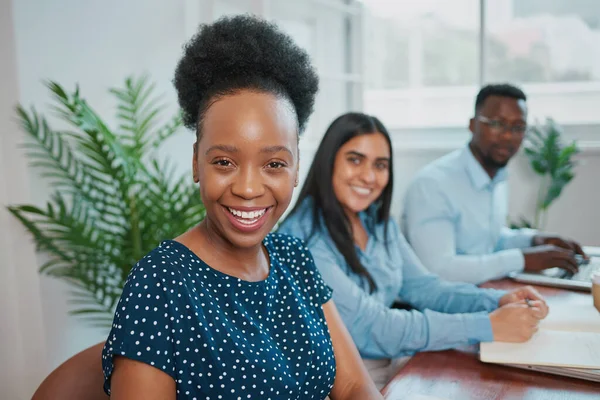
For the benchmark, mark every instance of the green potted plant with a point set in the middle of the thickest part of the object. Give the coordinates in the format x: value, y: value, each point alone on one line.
x: 113, y: 199
x: 553, y: 161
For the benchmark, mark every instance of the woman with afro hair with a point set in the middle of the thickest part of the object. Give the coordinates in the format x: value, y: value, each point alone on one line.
x: 229, y: 310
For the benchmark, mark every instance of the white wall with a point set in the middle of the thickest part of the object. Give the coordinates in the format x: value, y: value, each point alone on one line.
x: 95, y: 44
x: 21, y: 329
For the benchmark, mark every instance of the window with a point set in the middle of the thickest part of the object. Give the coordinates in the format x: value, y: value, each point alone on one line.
x: 551, y: 48
x: 425, y: 60
x: 324, y: 29
x: 422, y: 68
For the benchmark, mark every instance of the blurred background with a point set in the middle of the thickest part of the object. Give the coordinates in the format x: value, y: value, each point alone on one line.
x: 417, y: 65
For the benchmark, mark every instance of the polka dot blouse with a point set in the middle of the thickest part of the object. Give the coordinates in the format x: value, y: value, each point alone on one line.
x: 220, y: 337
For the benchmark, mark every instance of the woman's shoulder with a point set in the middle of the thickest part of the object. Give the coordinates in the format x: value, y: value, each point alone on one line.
x: 298, y: 263
x: 285, y: 245
x: 165, y: 264
x: 291, y: 251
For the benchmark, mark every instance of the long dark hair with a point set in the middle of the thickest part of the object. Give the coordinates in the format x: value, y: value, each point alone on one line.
x: 319, y: 187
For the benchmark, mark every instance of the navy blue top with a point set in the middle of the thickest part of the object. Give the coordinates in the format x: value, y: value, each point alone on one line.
x: 220, y: 337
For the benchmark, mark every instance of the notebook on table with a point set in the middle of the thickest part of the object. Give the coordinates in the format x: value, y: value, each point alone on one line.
x: 567, y: 343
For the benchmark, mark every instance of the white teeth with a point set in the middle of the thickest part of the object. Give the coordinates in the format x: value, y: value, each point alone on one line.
x: 361, y: 190
x: 252, y: 216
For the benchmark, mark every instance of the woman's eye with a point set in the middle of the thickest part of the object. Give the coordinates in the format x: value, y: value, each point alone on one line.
x: 222, y: 163
x: 381, y: 166
x: 354, y: 160
x: 275, y: 165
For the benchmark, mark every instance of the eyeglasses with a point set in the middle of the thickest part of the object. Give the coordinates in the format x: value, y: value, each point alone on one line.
x: 498, y: 127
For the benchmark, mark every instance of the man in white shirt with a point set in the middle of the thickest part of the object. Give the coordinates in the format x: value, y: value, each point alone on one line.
x: 455, y: 209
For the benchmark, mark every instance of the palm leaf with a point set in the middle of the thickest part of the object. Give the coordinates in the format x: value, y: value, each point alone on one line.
x: 167, y: 130
x: 137, y: 112
x: 113, y: 201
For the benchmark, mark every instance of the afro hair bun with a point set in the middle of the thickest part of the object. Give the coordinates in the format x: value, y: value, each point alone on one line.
x: 243, y: 52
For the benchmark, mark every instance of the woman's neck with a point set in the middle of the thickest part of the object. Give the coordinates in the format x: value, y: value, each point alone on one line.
x: 249, y: 263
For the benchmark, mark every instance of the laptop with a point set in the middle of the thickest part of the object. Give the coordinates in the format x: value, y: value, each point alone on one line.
x: 560, y: 278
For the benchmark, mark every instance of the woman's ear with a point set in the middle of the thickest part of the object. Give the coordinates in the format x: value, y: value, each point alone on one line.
x: 195, y: 163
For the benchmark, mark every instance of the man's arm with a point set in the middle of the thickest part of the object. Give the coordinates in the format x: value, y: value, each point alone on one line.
x: 515, y: 238
x: 425, y: 290
x: 430, y: 229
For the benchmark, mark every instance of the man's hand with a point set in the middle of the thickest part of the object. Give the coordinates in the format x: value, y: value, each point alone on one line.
x: 544, y: 238
x: 516, y: 322
x: 546, y: 256
x: 523, y: 294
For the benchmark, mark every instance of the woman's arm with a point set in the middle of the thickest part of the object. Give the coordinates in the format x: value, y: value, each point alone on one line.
x: 137, y: 380
x: 352, y: 380
x: 382, y: 332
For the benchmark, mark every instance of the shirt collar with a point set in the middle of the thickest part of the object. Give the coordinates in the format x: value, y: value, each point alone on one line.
x: 367, y: 217
x: 479, y: 177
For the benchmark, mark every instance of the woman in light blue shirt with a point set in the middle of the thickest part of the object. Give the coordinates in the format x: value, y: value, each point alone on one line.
x: 343, y: 214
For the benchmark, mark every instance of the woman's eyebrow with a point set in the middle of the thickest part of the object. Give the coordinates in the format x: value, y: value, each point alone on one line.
x: 223, y: 147
x: 275, y: 149
x: 355, y: 153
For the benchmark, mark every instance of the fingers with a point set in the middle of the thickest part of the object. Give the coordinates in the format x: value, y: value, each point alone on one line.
x: 568, y: 265
x: 534, y: 310
x: 564, y: 244
x: 516, y: 322
x: 532, y: 293
x: 540, y: 302
x: 578, y: 250
x: 537, y: 310
x: 564, y: 259
x: 545, y: 309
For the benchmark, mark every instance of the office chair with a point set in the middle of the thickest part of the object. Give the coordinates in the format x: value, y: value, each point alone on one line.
x: 78, y: 378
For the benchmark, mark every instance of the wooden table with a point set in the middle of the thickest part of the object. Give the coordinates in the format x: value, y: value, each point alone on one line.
x: 459, y: 375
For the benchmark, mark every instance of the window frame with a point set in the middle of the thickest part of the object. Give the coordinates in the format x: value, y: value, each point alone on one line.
x: 450, y: 136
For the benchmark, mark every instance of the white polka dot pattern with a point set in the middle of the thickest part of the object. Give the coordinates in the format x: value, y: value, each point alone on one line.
x: 220, y: 337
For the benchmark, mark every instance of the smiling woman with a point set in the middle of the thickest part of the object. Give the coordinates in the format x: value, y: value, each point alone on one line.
x: 343, y: 214
x: 339, y: 187
x: 247, y: 164
x: 228, y: 310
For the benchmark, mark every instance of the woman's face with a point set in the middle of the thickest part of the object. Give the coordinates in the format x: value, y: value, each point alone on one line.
x: 246, y: 162
x: 361, y: 171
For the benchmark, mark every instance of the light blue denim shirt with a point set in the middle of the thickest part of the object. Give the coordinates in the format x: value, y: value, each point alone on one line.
x: 455, y: 219
x: 446, y: 315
